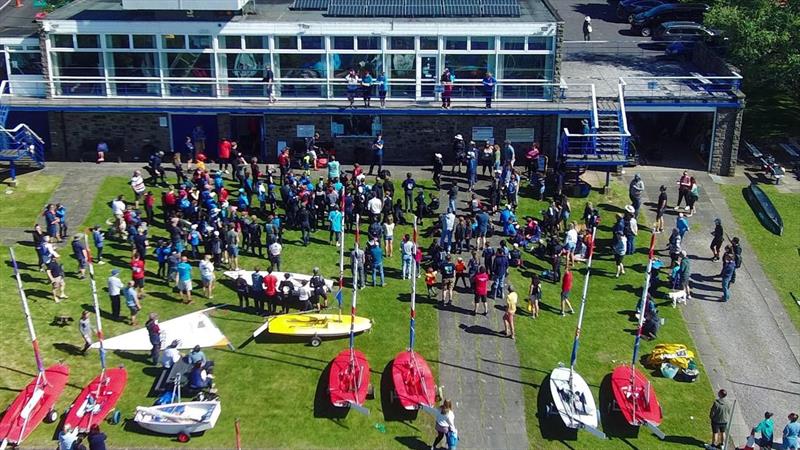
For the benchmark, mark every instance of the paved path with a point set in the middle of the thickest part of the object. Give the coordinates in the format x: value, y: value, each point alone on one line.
x: 748, y: 346
x: 479, y: 370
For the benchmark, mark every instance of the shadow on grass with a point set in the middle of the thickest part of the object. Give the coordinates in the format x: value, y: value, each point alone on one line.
x: 551, y: 425
x: 277, y: 360
x: 392, y: 410
x: 65, y: 347
x: 614, y: 424
x: 322, y: 400
x: 412, y: 442
x: 135, y: 357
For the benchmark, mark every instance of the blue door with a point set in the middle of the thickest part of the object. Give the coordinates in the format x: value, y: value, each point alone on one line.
x: 184, y: 124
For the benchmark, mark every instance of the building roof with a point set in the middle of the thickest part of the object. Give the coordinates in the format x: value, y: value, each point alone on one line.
x: 269, y: 11
x: 18, y: 22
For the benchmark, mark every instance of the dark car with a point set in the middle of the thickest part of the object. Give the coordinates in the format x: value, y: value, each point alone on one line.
x: 644, y: 23
x: 627, y: 9
x: 683, y: 31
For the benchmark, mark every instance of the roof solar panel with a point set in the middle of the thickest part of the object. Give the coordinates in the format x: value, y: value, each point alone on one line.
x: 346, y: 8
x: 386, y: 8
x: 462, y: 8
x: 424, y: 8
x: 310, y: 5
x: 501, y: 8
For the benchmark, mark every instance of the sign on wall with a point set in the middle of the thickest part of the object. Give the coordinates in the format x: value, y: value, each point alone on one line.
x: 482, y: 134
x: 520, y: 135
x: 305, y: 131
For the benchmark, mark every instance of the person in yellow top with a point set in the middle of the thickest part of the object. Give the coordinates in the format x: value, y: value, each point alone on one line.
x: 511, y: 310
x: 430, y: 282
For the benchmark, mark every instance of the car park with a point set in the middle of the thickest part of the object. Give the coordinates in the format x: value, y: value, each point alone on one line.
x: 626, y: 10
x: 645, y: 23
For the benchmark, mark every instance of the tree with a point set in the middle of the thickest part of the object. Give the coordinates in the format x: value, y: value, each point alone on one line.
x: 764, y: 37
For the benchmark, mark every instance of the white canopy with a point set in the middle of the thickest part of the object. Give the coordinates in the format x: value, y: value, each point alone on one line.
x: 189, y: 330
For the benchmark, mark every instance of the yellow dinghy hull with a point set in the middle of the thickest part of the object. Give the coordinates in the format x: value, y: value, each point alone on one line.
x: 322, y: 325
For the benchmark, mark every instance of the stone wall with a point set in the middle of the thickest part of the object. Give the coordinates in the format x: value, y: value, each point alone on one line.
x: 73, y: 136
x: 409, y: 139
x: 725, y: 148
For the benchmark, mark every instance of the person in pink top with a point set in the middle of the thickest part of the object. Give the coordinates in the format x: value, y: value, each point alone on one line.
x: 224, y: 154
x: 480, y: 285
x: 271, y: 291
x: 566, y: 286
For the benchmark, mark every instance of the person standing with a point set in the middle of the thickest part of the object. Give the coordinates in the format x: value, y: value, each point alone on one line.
x: 480, y: 284
x: 81, y: 255
x: 357, y: 262
x: 353, y: 83
x: 535, y: 296
x: 85, y: 328
x: 377, y: 154
x: 635, y: 190
x: 447, y: 88
x: 682, y: 224
x: 55, y: 273
x: 587, y: 28
x: 38, y: 244
x: 207, y: 276
x: 269, y: 82
x: 408, y: 190
x: 686, y: 273
x: 335, y: 218
x: 674, y: 247
x: 488, y: 88
x: 274, y: 251
x: 791, y: 433
x: 684, y: 188
x: 257, y: 290
x: 154, y: 335
x: 138, y: 186
x: 388, y: 234
x: 499, y: 271
x: 271, y: 292
x: 137, y: 273
x: 566, y: 287
x: 720, y: 415
x: 448, y: 280
x: 692, y: 196
x: 445, y: 424
x: 383, y: 87
x: 115, y: 287
x: 728, y: 269
x: 511, y: 311
x: 716, y: 240
x: 661, y: 207
x: 407, y: 257
x: 377, y: 262
x: 132, y: 302
x: 285, y: 292
x: 737, y: 256
x: 224, y: 154
x: 185, y: 280
x: 333, y: 168
x: 619, y: 247
x: 630, y: 229
x: 242, y: 291
x: 448, y: 226
x: 366, y: 88
x: 99, y: 239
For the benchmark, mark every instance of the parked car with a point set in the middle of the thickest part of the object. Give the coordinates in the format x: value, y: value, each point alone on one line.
x: 644, y: 23
x: 683, y: 31
x: 627, y: 9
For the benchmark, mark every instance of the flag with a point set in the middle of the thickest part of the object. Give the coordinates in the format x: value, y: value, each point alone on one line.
x: 339, y: 297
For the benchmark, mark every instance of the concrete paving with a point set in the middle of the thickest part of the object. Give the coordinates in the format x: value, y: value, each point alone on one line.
x: 748, y: 346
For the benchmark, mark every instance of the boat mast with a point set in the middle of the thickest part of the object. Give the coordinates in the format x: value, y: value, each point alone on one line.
x: 340, y: 294
x: 353, y: 302
x: 40, y: 378
x: 638, y: 339
x: 412, y: 328
x: 98, y: 323
x: 575, y: 343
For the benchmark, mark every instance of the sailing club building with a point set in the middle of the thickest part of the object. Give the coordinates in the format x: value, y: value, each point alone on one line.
x: 145, y: 74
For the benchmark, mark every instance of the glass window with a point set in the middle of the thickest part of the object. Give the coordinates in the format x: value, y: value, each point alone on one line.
x: 25, y: 63
x: 343, y: 42
x: 199, y: 42
x: 118, y: 41
x: 403, y: 66
x: 428, y: 43
x: 539, y: 43
x: 312, y: 43
x: 470, y: 66
x: 401, y: 43
x: 62, y: 40
x: 189, y: 65
x: 135, y: 65
x: 341, y: 63
x: 243, y: 65
x: 88, y: 40
x: 523, y: 67
x: 512, y: 43
x: 482, y: 43
x: 144, y: 41
x: 256, y: 42
x: 79, y: 64
x: 286, y: 42
x: 174, y: 41
x: 304, y: 66
x: 355, y: 125
x: 230, y: 42
x: 455, y: 43
x: 369, y: 42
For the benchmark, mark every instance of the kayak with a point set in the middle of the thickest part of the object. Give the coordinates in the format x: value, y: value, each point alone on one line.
x: 414, y: 385
x: 764, y: 209
x: 638, y: 401
x: 348, y: 383
x: 33, y: 404
x: 93, y: 405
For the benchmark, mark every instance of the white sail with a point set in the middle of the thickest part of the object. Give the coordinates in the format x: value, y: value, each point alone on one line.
x: 189, y: 330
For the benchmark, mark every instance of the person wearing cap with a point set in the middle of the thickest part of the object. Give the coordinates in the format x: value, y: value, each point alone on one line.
x: 459, y: 153
x: 447, y: 87
x: 587, y: 28
x: 511, y: 311
x: 171, y: 355
x: 115, y: 286
x: 438, y: 168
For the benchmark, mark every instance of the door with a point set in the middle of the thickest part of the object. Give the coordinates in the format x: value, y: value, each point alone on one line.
x: 428, y: 76
x: 182, y: 125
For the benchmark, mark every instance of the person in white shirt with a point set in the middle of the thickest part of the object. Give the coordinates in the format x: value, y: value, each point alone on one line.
x: 115, y: 286
x: 118, y: 209
x: 303, y: 295
x: 445, y: 422
x: 374, y: 206
x: 207, y: 276
x: 171, y: 355
x: 49, y: 250
x: 388, y: 236
x: 137, y: 184
x: 275, y: 250
x: 570, y: 241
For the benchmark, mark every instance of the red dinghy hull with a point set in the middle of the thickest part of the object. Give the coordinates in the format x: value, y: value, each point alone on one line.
x: 637, y: 406
x: 348, y: 383
x: 413, y: 380
x: 111, y: 387
x: 13, y: 426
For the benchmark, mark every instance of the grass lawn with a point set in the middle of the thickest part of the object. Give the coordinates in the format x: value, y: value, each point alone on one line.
x: 606, y: 342
x: 779, y: 253
x: 23, y: 205
x: 275, y: 388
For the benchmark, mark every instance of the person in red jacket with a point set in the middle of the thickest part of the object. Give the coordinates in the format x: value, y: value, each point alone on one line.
x: 566, y: 286
x: 284, y: 163
x: 481, y: 286
x: 137, y: 274
x: 271, y: 291
x: 149, y: 204
x: 224, y: 154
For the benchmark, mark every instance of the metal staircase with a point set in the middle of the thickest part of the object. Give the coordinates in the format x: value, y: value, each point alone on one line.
x: 20, y: 146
